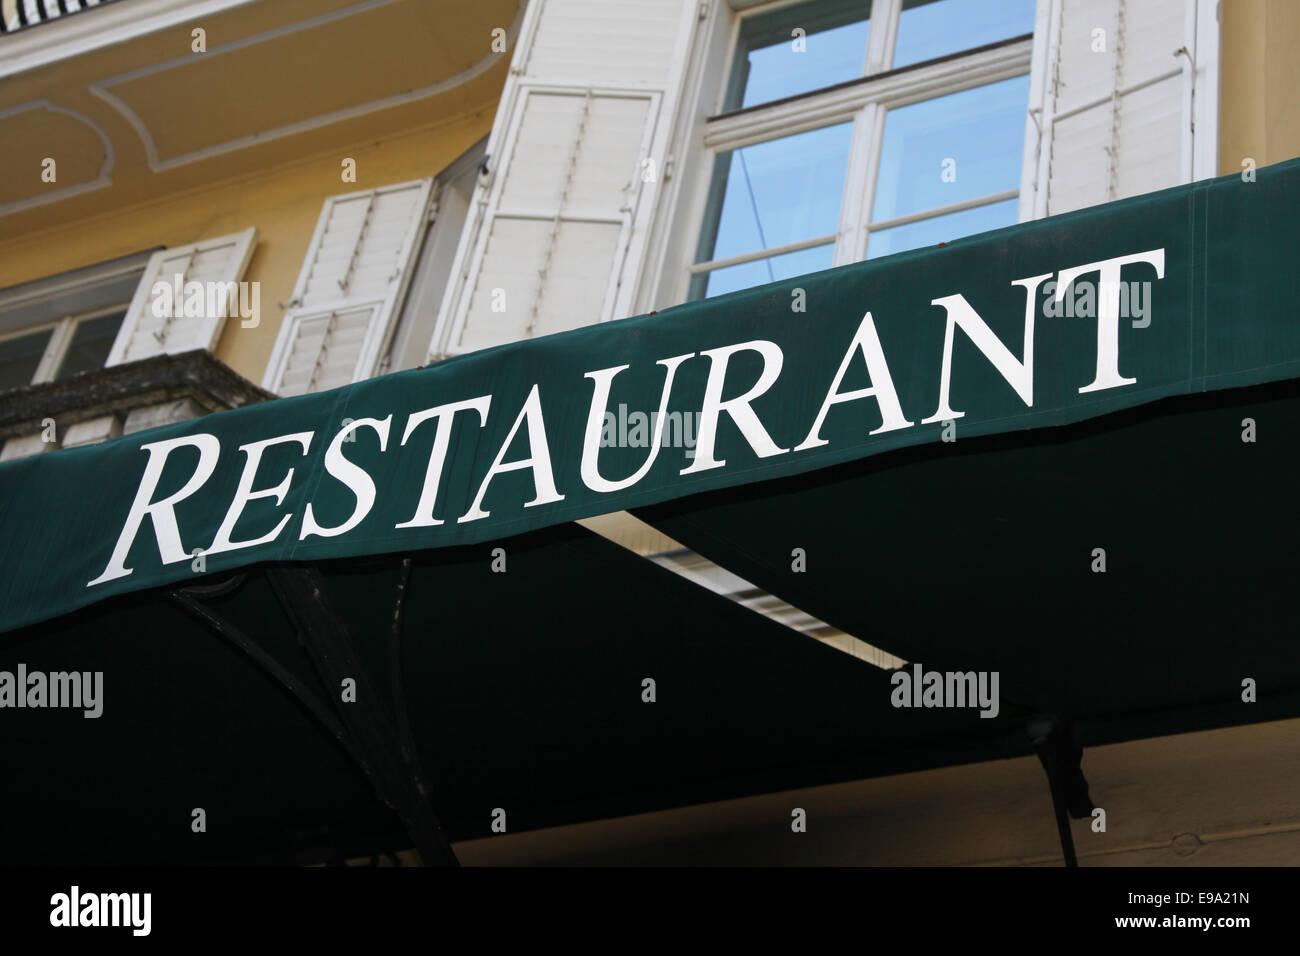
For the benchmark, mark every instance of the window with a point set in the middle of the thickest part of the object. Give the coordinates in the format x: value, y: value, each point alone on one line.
x: 158, y: 323
x: 372, y: 281
x: 60, y: 350
x: 356, y: 271
x: 55, y: 328
x: 761, y: 72
x: 453, y: 195
x: 924, y: 194
x: 851, y: 129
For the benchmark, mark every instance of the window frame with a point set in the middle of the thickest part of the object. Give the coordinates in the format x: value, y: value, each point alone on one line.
x: 56, y: 349
x: 416, y: 319
x: 865, y: 102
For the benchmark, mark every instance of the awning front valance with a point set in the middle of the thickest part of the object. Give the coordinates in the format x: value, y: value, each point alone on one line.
x: 1046, y: 323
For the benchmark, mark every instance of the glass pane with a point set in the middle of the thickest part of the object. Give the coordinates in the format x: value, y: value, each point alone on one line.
x: 749, y: 274
x: 928, y: 29
x: 956, y: 147
x: 19, y: 358
x: 775, y: 193
x: 91, y: 341
x: 931, y: 232
x: 773, y: 61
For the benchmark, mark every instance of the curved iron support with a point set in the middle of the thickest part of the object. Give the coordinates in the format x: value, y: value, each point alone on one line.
x: 323, y: 634
x: 382, y: 747
x: 405, y: 737
x: 268, y: 663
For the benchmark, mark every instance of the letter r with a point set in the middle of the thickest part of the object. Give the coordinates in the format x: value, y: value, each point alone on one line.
x: 161, y: 512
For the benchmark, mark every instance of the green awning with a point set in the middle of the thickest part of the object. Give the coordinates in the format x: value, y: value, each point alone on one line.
x: 524, y: 688
x: 780, y: 380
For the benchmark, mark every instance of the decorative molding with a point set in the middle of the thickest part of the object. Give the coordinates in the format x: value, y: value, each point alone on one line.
x: 64, y: 192
x: 100, y: 88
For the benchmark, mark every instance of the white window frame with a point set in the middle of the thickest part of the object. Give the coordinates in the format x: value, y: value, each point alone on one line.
x: 865, y: 104
x: 415, y: 322
x: 56, y: 349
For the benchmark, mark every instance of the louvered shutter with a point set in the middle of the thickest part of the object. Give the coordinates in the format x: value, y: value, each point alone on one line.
x: 352, y: 280
x: 576, y: 159
x: 216, y: 264
x: 1119, y: 122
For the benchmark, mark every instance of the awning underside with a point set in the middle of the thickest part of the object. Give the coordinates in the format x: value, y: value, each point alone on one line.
x: 524, y: 691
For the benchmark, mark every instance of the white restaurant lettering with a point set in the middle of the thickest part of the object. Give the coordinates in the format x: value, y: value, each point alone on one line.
x: 1018, y: 373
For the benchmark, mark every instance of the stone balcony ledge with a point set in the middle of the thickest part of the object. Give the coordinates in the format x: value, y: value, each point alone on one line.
x: 105, y: 403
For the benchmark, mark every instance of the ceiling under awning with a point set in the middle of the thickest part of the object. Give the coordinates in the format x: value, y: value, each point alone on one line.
x: 524, y: 690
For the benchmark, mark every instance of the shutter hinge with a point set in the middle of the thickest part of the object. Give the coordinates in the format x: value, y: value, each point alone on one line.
x: 704, y: 9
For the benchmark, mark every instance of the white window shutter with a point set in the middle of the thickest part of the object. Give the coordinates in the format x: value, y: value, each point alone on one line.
x: 151, y: 328
x: 1119, y: 121
x: 576, y: 159
x: 356, y: 269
